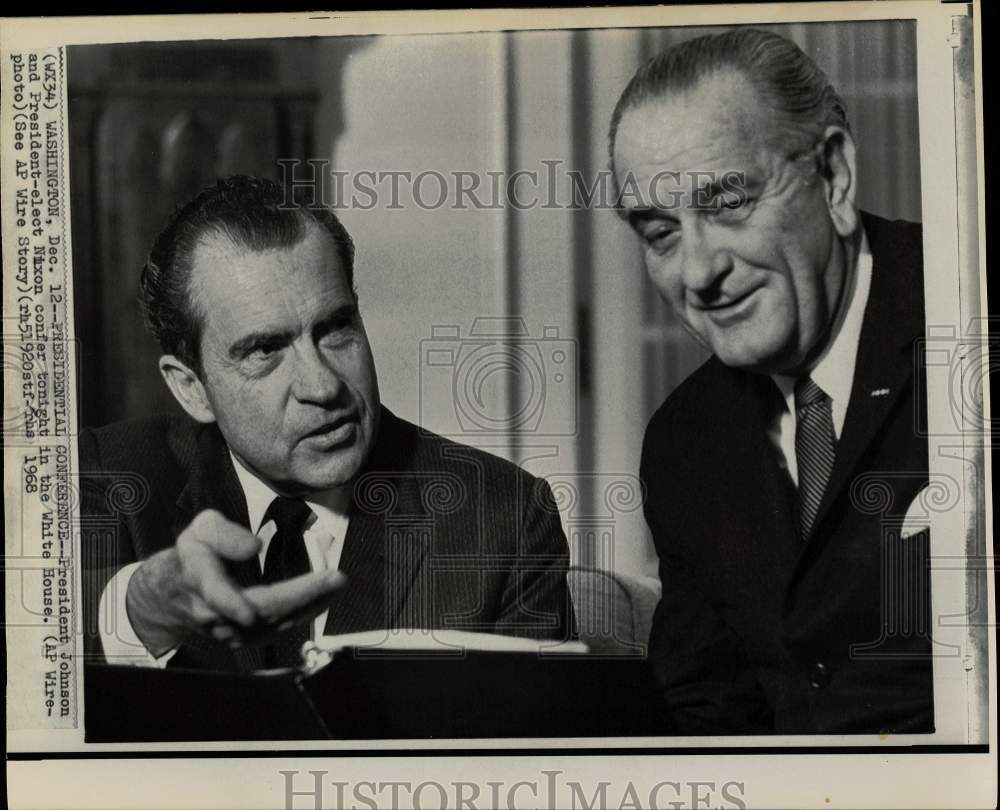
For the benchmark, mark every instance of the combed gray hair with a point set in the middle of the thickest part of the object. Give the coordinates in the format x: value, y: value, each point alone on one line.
x: 789, y: 81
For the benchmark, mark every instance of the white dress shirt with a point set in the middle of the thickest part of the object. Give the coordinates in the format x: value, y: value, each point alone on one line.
x: 834, y: 372
x: 324, y: 535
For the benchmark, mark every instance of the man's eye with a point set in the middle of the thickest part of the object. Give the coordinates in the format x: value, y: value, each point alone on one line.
x: 263, y: 352
x: 734, y: 206
x: 661, y: 239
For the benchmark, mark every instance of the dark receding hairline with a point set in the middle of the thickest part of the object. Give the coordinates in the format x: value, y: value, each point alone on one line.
x: 226, y: 239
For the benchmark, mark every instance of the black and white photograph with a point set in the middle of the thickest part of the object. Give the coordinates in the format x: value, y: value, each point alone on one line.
x: 454, y: 386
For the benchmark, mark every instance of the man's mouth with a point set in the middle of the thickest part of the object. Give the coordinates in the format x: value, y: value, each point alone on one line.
x: 731, y: 308
x: 332, y: 433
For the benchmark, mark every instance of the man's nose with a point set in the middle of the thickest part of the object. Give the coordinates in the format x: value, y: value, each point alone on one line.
x: 316, y: 378
x: 706, y: 260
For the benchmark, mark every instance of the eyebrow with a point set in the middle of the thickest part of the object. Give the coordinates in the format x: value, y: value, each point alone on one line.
x: 345, y: 313
x: 731, y: 182
x: 242, y: 347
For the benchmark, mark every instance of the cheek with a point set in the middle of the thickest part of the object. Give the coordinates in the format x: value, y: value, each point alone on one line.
x: 804, y: 244
x: 665, y: 278
x: 812, y: 307
x: 762, y: 246
x: 806, y: 263
x: 255, y: 406
x: 362, y: 373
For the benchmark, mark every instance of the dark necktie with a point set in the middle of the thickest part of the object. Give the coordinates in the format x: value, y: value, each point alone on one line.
x: 287, y: 557
x: 815, y: 449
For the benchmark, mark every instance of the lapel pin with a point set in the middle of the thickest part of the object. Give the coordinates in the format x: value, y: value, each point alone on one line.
x: 880, y: 392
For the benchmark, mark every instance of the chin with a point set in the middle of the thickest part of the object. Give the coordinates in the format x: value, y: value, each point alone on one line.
x: 751, y: 358
x: 754, y: 350
x: 328, y: 473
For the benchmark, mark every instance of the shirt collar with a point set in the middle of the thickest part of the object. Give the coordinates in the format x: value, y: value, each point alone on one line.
x: 834, y: 372
x: 328, y: 503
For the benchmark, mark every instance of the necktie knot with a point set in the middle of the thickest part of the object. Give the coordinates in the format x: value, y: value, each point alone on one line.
x: 289, y: 514
x: 807, y: 393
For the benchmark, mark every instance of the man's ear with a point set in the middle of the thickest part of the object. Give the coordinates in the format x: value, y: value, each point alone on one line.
x: 187, y: 388
x: 840, y: 174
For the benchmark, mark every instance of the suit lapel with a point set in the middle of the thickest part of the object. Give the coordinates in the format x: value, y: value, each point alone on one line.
x: 769, y: 488
x: 885, y: 359
x: 748, y: 494
x: 386, y: 539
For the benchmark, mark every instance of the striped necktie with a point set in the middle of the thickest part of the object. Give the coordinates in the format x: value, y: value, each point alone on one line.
x: 815, y: 449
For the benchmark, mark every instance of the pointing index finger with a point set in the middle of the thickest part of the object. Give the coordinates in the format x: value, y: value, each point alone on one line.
x: 304, y: 594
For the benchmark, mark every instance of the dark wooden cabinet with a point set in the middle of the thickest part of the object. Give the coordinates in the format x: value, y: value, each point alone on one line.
x: 150, y: 125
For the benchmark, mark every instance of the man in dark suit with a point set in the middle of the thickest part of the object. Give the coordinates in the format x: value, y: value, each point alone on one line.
x: 290, y: 501
x: 795, y: 595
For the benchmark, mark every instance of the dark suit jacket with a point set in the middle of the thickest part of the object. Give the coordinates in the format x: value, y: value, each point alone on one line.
x: 756, y: 633
x: 441, y: 535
